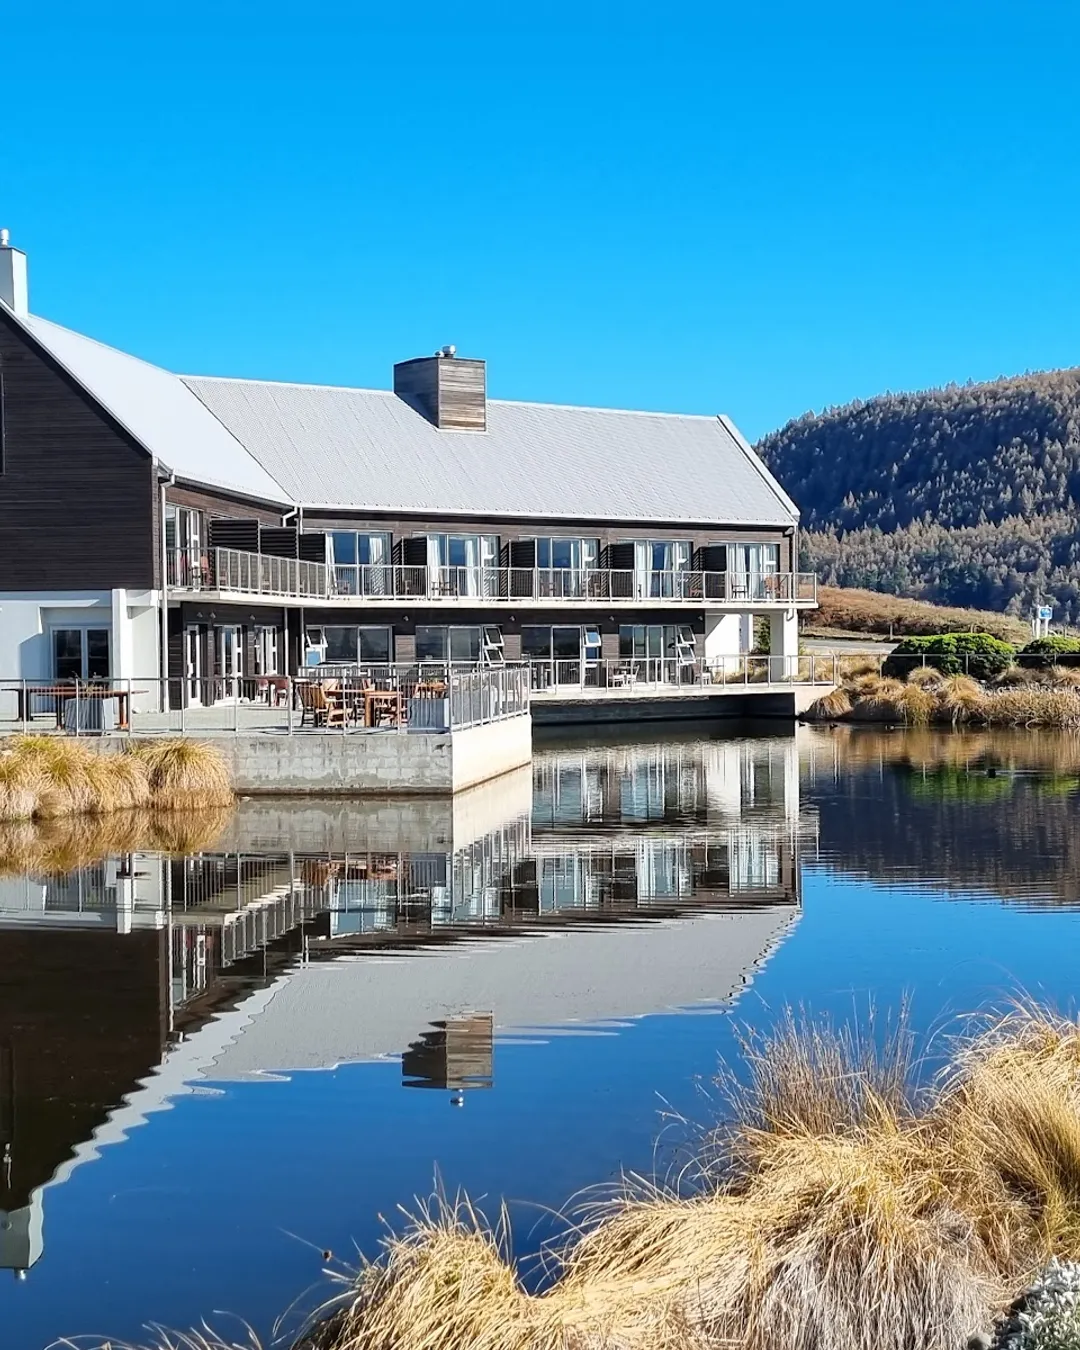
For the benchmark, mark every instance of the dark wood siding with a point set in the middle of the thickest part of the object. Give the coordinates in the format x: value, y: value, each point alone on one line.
x: 517, y: 530
x: 451, y: 392
x: 220, y: 504
x: 76, y: 492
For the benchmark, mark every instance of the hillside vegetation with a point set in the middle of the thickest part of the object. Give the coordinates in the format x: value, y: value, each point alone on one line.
x: 851, y: 610
x: 966, y: 495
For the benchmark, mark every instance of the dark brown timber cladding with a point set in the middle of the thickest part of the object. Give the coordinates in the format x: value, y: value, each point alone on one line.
x: 76, y: 493
x: 220, y: 504
x: 509, y: 531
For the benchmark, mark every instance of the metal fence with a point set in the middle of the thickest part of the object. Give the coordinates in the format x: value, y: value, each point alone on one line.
x: 671, y: 673
x: 355, y: 700
x: 235, y: 571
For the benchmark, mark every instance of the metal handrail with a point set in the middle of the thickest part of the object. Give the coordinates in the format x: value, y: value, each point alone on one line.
x: 237, y: 572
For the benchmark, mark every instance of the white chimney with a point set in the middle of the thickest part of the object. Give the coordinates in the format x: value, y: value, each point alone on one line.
x: 13, y: 290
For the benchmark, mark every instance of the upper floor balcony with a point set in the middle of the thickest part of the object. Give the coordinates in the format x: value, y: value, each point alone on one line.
x: 225, y: 573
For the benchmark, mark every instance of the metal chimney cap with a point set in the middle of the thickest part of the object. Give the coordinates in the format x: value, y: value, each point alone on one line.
x: 5, y: 236
x: 448, y: 350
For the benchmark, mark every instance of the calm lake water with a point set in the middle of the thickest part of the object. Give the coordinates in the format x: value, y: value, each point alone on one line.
x: 213, y: 1067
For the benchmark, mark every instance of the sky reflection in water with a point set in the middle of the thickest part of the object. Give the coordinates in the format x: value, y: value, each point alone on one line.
x: 516, y: 991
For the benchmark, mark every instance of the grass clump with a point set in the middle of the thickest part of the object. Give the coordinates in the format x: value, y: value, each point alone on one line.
x: 52, y: 777
x: 845, y: 1204
x: 185, y: 774
x: 831, y: 706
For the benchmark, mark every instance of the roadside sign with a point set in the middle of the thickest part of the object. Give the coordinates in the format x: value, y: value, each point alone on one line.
x: 1046, y: 612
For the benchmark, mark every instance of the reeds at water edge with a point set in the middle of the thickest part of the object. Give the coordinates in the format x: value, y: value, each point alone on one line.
x: 927, y: 697
x: 50, y: 777
x: 846, y: 1204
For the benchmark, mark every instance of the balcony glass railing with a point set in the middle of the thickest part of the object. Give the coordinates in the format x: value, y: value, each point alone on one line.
x: 237, y: 572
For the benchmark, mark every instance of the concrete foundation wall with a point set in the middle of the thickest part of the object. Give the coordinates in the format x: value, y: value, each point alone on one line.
x: 426, y: 763
x: 414, y: 824
x: 479, y: 753
x: 765, y: 702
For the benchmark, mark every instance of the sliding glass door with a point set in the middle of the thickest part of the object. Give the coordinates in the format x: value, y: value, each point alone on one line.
x: 661, y: 568
x: 750, y: 567
x: 463, y: 564
x: 563, y: 567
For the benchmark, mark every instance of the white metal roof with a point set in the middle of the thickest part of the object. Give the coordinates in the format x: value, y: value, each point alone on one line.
x: 367, y: 449
x: 364, y: 449
x: 373, y: 1006
x: 160, y: 412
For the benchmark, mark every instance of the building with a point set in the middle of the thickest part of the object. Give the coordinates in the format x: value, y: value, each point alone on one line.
x: 208, y: 532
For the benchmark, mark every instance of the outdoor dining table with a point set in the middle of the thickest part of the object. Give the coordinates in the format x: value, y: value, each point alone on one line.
x: 64, y: 693
x: 379, y: 700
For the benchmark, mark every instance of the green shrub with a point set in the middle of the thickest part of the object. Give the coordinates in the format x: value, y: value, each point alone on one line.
x: 1051, y: 651
x: 975, y: 654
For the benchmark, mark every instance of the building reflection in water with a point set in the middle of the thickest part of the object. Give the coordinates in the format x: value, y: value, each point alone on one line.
x: 455, y: 1055
x: 112, y: 978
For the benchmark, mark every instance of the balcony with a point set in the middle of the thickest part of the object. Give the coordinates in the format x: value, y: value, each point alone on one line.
x: 227, y: 572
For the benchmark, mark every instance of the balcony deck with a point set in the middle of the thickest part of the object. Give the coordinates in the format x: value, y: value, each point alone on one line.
x: 229, y: 574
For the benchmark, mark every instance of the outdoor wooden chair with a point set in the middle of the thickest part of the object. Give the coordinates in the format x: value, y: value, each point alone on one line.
x: 324, y: 703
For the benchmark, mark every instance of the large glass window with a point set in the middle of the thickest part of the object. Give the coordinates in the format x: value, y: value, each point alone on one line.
x: 81, y: 653
x: 465, y: 644
x: 186, y: 562
x: 361, y: 562
x: 375, y: 645
x: 463, y: 564
x: 432, y: 644
x: 661, y: 567
x: 536, y: 643
x: 562, y: 565
x: 349, y: 645
x: 750, y: 569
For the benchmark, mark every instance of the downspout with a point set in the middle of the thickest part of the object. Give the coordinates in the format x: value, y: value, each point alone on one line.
x: 298, y: 512
x: 165, y: 483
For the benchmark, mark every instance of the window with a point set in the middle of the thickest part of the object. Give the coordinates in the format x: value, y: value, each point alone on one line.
x: 374, y: 645
x: 465, y: 644
x: 493, y: 646
x: 658, y: 567
x: 562, y: 564
x: 341, y: 646
x: 361, y: 562
x: 463, y: 564
x: 184, y: 546
x: 431, y: 643
x: 266, y: 651
x: 81, y: 653
x: 536, y: 643
x: 347, y: 645
x: 748, y: 566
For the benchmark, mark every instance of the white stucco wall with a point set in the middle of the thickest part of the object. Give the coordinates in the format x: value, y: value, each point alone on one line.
x: 728, y: 635
x: 784, y: 633
x: 27, y: 620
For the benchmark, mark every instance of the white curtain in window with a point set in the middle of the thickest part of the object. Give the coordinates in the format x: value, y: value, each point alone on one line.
x: 642, y: 568
x: 377, y: 576
x: 436, y: 552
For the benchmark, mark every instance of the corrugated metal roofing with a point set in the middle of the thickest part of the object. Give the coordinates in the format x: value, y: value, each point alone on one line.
x: 364, y: 449
x: 367, y: 449
x: 161, y: 413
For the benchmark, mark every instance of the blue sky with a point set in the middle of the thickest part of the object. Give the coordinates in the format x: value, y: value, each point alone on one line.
x: 752, y: 207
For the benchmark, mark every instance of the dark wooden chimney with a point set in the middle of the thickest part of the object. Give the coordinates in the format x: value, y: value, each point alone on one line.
x: 449, y: 390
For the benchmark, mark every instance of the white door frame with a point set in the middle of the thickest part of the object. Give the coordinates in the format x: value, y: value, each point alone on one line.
x: 193, y: 672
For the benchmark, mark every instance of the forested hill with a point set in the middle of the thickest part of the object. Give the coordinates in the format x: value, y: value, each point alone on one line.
x: 968, y: 495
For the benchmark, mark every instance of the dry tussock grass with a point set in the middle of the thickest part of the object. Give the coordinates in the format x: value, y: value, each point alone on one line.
x: 185, y: 773
x: 51, y: 777
x: 858, y: 611
x: 831, y: 706
x: 926, y: 699
x: 841, y: 1207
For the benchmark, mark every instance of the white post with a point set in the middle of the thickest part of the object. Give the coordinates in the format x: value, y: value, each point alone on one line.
x: 783, y: 638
